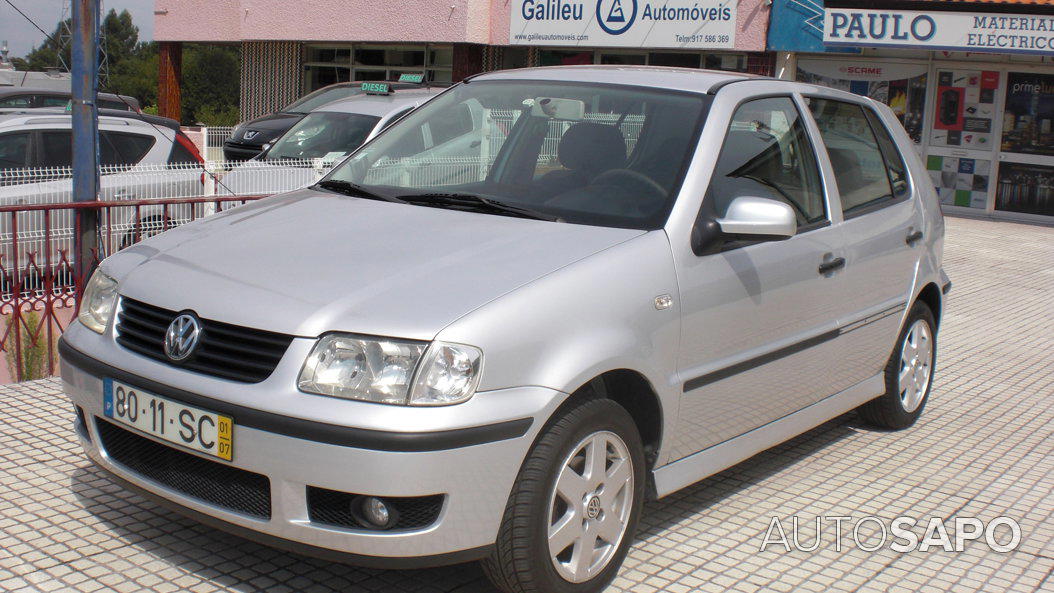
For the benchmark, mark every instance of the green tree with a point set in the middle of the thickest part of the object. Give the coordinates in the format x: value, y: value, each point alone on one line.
x: 54, y: 52
x: 136, y: 75
x: 120, y: 38
x: 211, y: 84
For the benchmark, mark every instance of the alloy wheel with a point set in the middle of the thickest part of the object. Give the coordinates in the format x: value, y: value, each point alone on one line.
x: 916, y: 361
x: 590, y: 506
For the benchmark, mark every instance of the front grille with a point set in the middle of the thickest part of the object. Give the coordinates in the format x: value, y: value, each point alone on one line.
x: 224, y: 350
x: 331, y: 507
x: 209, y: 481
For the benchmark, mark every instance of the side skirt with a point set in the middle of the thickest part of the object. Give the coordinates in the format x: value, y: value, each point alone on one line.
x: 689, y: 470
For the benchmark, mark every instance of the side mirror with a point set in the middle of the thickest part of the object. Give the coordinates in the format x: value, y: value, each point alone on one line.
x: 747, y: 219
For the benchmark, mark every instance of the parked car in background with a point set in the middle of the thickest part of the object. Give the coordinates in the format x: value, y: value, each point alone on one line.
x: 33, y: 98
x: 400, y: 368
x: 248, y: 138
x: 323, y: 137
x: 141, y: 156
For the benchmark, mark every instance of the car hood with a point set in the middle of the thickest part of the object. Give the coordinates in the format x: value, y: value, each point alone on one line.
x: 308, y: 262
x: 269, y: 127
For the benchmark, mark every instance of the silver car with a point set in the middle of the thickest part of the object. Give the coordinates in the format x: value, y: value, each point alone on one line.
x: 322, y: 138
x: 502, y: 362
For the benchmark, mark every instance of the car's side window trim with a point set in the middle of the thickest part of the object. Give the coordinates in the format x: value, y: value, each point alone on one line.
x: 870, y: 116
x: 803, y: 229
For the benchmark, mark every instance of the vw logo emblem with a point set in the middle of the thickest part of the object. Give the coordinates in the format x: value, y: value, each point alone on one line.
x: 593, y: 508
x: 182, y: 336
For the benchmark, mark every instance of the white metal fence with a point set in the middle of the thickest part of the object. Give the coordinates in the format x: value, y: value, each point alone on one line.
x: 214, y: 139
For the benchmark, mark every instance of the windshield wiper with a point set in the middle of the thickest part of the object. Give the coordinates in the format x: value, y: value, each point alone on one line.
x: 476, y: 203
x: 353, y: 189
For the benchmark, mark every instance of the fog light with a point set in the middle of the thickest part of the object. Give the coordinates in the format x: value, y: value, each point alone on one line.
x: 375, y: 513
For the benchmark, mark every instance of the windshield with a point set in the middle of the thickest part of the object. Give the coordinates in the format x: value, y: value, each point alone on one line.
x: 320, y: 97
x: 583, y: 153
x: 323, y: 135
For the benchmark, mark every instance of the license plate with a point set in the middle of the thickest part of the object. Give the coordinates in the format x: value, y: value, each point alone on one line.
x: 169, y: 420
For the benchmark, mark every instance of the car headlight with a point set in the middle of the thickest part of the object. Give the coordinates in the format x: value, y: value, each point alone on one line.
x: 384, y: 370
x: 98, y: 302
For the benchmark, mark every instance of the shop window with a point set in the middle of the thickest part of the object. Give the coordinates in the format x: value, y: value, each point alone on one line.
x: 767, y: 154
x: 965, y: 109
x: 324, y: 65
x: 727, y: 62
x: 624, y: 59
x: 1028, y: 120
x: 859, y: 166
x: 1025, y: 188
x: 960, y: 181
x: 901, y: 86
x: 552, y: 57
x: 680, y: 60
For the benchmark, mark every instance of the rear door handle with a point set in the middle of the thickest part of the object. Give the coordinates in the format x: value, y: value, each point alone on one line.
x: 913, y: 238
x: 832, y: 265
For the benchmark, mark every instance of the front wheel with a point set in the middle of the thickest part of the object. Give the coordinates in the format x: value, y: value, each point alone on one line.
x: 574, y: 508
x: 908, y: 374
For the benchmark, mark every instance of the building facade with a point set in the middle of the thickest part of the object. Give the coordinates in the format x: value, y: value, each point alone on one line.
x: 972, y: 81
x: 291, y: 48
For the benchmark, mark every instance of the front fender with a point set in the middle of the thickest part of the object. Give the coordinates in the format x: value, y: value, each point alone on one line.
x: 596, y: 315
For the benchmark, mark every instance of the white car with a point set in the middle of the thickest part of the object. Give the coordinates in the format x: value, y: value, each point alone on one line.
x: 141, y: 156
x: 322, y: 138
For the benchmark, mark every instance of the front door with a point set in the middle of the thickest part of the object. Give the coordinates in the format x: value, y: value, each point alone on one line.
x: 758, y: 330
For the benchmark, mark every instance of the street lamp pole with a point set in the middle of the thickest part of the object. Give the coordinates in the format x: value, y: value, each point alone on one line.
x: 85, y: 116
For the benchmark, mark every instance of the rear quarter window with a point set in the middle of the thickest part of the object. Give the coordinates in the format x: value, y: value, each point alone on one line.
x: 124, y: 148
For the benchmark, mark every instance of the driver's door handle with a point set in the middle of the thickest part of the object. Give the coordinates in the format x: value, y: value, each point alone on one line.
x: 832, y: 265
x: 913, y: 238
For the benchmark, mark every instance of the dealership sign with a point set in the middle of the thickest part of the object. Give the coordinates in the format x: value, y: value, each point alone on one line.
x: 957, y: 31
x: 624, y: 23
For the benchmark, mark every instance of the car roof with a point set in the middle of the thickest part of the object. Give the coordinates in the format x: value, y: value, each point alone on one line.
x: 13, y: 118
x: 380, y: 105
x: 29, y: 90
x: 681, y: 79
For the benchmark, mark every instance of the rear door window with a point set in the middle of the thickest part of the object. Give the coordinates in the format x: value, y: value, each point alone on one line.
x: 56, y: 149
x: 864, y: 176
x: 14, y: 150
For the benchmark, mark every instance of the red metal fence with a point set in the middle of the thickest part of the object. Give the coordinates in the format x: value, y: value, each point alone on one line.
x: 38, y: 279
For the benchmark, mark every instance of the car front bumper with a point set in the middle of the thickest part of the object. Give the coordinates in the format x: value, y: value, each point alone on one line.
x: 475, y: 479
x: 240, y: 152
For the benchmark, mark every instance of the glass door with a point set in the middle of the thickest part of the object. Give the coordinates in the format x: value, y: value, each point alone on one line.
x: 963, y: 145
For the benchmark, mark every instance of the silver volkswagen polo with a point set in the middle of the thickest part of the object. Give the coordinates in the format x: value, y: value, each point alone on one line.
x: 493, y: 341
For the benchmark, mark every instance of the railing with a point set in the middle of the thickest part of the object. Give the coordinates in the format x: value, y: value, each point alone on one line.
x: 38, y: 279
x: 214, y: 139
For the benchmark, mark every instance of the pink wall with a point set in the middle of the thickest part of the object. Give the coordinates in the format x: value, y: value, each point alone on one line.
x: 753, y: 25
x: 322, y: 20
x: 473, y: 21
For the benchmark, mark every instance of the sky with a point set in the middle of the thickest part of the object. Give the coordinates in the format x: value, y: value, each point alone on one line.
x: 22, y: 37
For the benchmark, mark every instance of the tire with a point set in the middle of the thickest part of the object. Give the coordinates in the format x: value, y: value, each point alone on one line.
x: 899, y: 407
x: 521, y: 561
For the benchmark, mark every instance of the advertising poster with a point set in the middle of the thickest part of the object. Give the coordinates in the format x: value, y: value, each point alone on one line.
x: 901, y: 86
x: 1029, y: 114
x: 960, y: 181
x: 1025, y: 188
x: 964, y: 109
x: 708, y: 24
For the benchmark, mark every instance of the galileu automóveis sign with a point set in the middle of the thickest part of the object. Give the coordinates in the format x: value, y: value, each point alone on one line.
x: 624, y: 23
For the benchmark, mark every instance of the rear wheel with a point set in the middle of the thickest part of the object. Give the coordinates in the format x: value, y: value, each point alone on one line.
x: 574, y: 508
x: 909, y: 374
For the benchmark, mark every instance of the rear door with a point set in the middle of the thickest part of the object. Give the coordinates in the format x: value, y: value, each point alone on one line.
x: 882, y: 225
